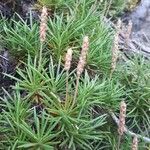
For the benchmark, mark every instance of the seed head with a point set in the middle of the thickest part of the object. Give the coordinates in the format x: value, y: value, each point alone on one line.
x: 43, y: 24
x: 135, y: 143
x: 68, y: 59
x: 82, y: 59
x: 122, y: 117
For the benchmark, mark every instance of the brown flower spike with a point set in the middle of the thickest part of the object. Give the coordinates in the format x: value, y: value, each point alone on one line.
x: 122, y: 117
x: 81, y: 63
x: 135, y: 143
x: 43, y: 24
x: 82, y: 59
x: 67, y: 66
x: 68, y: 59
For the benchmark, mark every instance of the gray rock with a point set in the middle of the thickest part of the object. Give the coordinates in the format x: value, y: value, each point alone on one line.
x: 5, y: 10
x: 141, y: 15
x: 140, y: 36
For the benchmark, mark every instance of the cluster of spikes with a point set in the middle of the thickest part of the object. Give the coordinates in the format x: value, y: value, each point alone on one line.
x: 68, y: 58
x: 81, y: 64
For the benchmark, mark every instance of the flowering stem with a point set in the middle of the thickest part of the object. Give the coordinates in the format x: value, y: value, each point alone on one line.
x: 119, y: 140
x: 67, y: 84
x: 40, y: 55
x: 76, y: 89
x: 111, y: 73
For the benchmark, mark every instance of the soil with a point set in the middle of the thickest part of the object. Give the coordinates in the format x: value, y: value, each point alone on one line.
x: 22, y: 7
x: 7, y: 63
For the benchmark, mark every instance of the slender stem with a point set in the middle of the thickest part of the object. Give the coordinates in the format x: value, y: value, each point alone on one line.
x: 76, y: 89
x: 119, y: 140
x: 40, y: 55
x: 111, y: 74
x: 67, y: 85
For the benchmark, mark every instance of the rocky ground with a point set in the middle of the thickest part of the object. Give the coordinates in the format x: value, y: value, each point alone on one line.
x: 8, y: 8
x: 22, y: 7
x: 140, y: 35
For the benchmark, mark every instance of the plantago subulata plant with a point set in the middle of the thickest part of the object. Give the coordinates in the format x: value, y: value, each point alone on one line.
x: 46, y: 108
